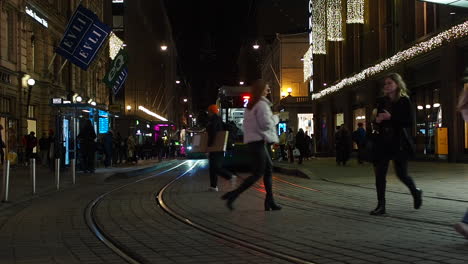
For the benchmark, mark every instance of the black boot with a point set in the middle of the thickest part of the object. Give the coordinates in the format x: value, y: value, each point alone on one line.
x: 417, y: 197
x: 379, y: 210
x: 271, y: 205
x: 230, y: 197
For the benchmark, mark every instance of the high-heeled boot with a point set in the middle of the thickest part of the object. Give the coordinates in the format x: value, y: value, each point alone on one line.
x: 417, y: 198
x: 271, y: 205
x: 380, y: 209
x: 230, y: 197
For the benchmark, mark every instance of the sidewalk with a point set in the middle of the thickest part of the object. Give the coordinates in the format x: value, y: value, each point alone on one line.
x: 21, y: 185
x: 437, y: 179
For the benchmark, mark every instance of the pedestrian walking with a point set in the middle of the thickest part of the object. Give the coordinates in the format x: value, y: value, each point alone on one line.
x: 393, y: 115
x: 282, y: 143
x: 107, y: 143
x: 131, y: 147
x: 290, y: 144
x: 343, y: 145
x: 31, y: 143
x: 359, y: 137
x: 87, y: 139
x: 301, y: 144
x: 2, y: 145
x: 215, y: 125
x: 44, y: 149
x: 259, y: 134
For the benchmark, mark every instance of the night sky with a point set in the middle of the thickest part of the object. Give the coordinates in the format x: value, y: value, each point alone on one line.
x: 210, y: 33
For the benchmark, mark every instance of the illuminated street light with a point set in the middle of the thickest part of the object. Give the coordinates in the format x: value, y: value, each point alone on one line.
x: 79, y: 99
x: 31, y: 81
x: 129, y: 107
x: 163, y: 47
x: 177, y: 81
x: 93, y: 103
x: 283, y: 94
x: 256, y: 46
x: 241, y: 83
x: 289, y: 91
x: 185, y: 100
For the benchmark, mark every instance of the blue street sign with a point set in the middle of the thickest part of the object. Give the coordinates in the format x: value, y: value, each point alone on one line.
x: 120, y: 80
x: 83, y: 38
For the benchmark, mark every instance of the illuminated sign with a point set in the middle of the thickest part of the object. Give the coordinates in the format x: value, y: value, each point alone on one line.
x: 246, y: 100
x: 57, y: 100
x: 117, y: 1
x: 460, y: 3
x: 36, y: 17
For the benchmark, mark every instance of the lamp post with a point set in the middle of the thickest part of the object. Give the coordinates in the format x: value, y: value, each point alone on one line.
x: 289, y: 91
x: 31, y: 83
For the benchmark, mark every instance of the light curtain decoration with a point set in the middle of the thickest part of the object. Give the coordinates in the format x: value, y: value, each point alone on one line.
x: 355, y: 12
x: 319, y: 27
x: 454, y: 33
x: 334, y: 21
x: 308, y: 64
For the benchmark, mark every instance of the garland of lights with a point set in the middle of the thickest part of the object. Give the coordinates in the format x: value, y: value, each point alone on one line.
x: 319, y: 27
x: 355, y: 12
x: 308, y: 64
x: 452, y: 34
x: 334, y: 20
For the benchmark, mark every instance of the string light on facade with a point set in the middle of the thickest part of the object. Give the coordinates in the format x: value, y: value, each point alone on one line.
x: 308, y: 64
x: 115, y: 44
x: 355, y: 12
x: 334, y: 21
x: 454, y: 33
x: 319, y: 26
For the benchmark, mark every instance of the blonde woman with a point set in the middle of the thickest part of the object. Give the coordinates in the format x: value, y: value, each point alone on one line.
x: 259, y: 134
x: 393, y: 116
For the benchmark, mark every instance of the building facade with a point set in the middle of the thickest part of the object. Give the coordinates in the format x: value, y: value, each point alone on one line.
x: 426, y: 43
x: 29, y: 32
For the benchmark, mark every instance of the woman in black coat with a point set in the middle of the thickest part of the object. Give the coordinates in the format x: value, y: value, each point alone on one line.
x: 301, y: 145
x: 393, y: 116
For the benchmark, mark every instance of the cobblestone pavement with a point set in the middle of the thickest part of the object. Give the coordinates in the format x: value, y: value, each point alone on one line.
x: 324, y: 219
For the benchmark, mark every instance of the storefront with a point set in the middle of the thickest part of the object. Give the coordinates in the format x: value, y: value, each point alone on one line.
x: 306, y: 122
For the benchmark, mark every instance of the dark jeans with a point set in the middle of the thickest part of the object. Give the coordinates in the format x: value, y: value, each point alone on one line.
x: 88, y: 161
x: 401, y: 169
x: 261, y: 166
x: 216, y: 168
x: 283, y: 154
x: 465, y: 218
x: 290, y: 154
x: 107, y: 158
x: 2, y: 154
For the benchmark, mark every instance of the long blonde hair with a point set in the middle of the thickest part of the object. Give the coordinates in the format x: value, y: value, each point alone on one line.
x: 401, y: 90
x: 256, y: 90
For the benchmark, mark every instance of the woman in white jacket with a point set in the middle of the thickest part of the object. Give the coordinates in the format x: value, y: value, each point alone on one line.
x: 259, y: 133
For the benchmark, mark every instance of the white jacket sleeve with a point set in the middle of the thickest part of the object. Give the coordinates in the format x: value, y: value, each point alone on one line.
x: 265, y: 118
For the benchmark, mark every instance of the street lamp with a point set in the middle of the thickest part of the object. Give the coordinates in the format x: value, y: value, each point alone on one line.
x: 289, y: 91
x: 177, y: 81
x: 283, y: 94
x: 241, y: 83
x: 256, y: 46
x: 185, y: 100
x: 163, y: 47
x: 79, y: 99
x: 129, y: 107
x: 93, y: 103
x: 31, y: 82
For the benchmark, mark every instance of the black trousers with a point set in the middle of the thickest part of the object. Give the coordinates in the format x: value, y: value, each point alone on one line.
x: 261, y: 166
x: 216, y: 168
x: 283, y: 153
x: 400, y: 162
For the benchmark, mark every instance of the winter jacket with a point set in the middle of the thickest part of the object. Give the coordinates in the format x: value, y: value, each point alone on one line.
x: 260, y: 123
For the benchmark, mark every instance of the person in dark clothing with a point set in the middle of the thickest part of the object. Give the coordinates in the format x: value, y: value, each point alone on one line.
x: 393, y: 114
x: 215, y: 124
x: 301, y: 144
x: 107, y: 143
x: 343, y: 145
x: 44, y: 145
x: 2, y: 145
x: 359, y: 136
x: 31, y: 143
x: 87, y: 139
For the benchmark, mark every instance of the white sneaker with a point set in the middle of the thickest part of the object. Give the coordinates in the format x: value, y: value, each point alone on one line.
x: 213, y: 189
x: 462, y: 229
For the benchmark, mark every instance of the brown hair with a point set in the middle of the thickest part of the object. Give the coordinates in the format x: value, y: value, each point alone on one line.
x: 401, y: 90
x: 256, y: 90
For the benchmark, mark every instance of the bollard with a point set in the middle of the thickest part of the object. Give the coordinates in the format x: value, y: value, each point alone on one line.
x: 73, y: 170
x: 6, y: 181
x: 33, y: 175
x: 57, y: 173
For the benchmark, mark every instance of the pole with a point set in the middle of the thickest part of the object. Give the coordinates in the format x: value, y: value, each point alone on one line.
x: 6, y: 181
x: 57, y: 173
x: 33, y: 175
x: 73, y: 170
x: 61, y: 67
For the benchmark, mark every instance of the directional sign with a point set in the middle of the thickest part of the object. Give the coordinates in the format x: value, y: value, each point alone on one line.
x: 83, y: 38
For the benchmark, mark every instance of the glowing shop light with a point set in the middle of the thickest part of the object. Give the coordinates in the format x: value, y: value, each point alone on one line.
x: 151, y: 113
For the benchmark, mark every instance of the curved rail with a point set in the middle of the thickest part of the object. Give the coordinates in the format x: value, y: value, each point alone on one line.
x: 128, y: 256
x: 160, y: 200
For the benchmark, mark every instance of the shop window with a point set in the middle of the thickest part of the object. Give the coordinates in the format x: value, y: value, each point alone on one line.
x: 339, y: 119
x: 306, y: 122
x: 359, y: 116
